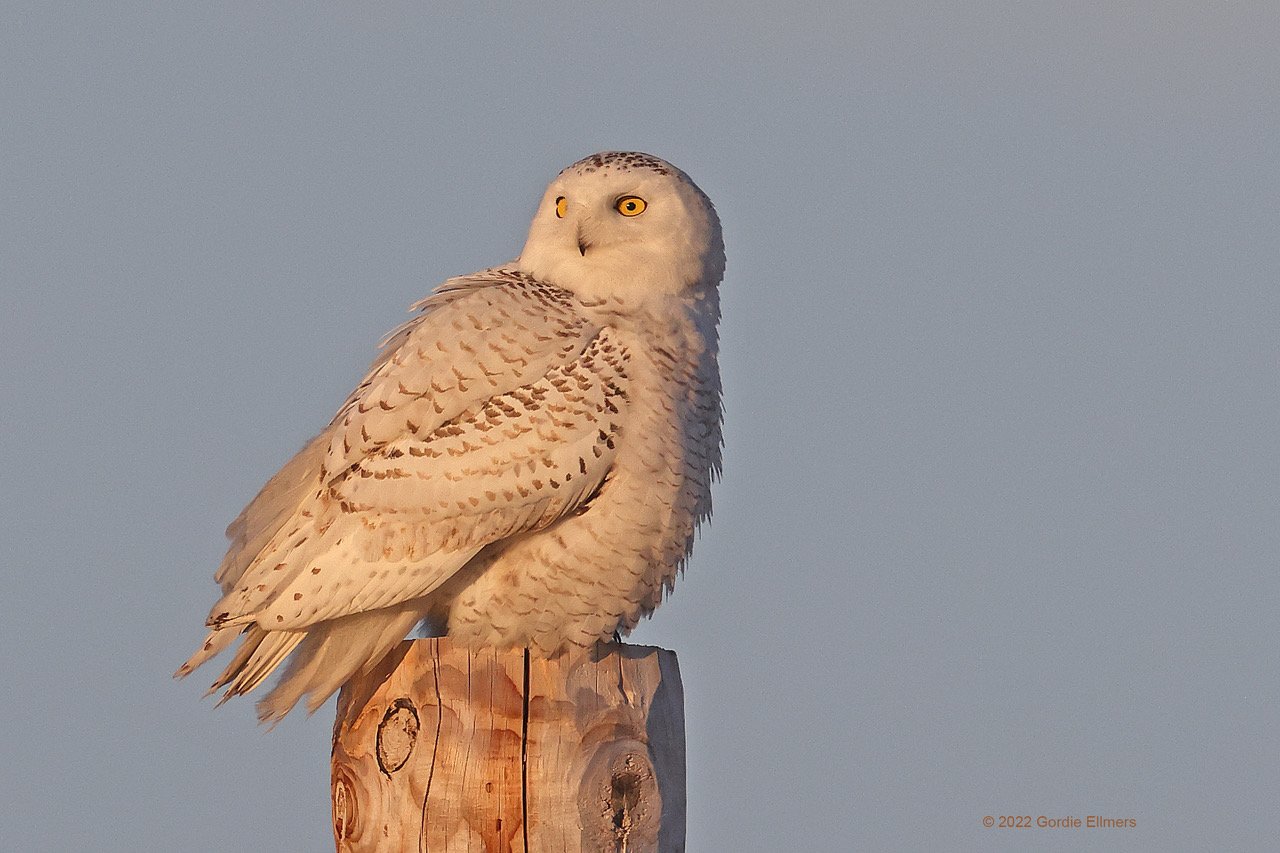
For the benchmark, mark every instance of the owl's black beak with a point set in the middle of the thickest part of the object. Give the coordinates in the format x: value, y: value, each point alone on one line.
x: 583, y: 244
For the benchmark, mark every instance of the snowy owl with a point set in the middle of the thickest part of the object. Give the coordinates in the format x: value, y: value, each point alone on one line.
x: 525, y: 463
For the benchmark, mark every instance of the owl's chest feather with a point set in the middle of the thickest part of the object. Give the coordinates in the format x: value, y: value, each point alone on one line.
x: 672, y: 398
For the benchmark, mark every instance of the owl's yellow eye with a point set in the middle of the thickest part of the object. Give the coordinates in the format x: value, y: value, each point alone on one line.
x: 630, y: 205
x: 562, y: 207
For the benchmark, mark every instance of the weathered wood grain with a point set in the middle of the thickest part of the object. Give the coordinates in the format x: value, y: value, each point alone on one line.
x: 449, y: 749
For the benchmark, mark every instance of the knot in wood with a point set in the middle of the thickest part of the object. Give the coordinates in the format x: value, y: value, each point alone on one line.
x: 397, y: 734
x: 346, y: 808
x: 619, y: 801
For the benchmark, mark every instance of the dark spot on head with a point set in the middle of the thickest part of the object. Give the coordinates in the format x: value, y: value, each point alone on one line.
x: 621, y: 160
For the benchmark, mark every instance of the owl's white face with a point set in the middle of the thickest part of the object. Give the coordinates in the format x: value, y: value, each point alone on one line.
x: 624, y: 225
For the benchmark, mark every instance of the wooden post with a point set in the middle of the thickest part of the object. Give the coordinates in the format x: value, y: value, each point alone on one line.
x: 447, y: 749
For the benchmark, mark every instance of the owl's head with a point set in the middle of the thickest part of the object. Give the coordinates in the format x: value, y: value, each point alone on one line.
x: 626, y: 225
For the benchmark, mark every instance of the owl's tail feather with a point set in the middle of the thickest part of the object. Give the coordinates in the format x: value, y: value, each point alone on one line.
x: 218, y: 639
x: 333, y: 652
x: 327, y: 655
x: 259, y: 655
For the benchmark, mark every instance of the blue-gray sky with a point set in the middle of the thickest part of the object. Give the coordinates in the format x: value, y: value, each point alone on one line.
x: 997, y: 532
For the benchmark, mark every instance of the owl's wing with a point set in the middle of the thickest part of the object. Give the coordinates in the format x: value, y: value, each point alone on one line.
x: 427, y: 350
x: 274, y: 505
x: 492, y: 413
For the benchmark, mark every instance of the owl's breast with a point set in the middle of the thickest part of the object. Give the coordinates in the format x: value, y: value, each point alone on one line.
x: 601, y: 568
